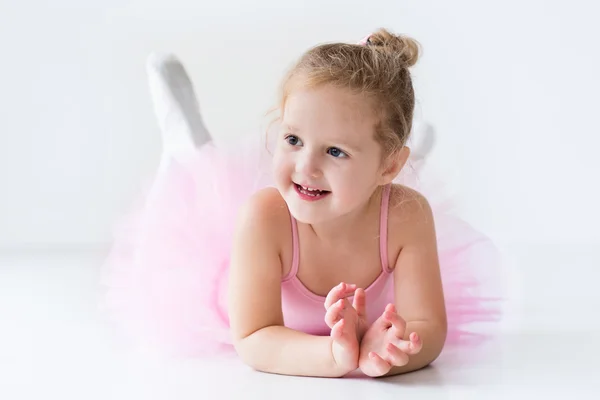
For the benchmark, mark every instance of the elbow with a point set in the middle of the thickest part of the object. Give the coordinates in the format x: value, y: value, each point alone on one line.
x: 250, y: 351
x: 431, y: 352
x: 246, y: 354
x: 439, y: 341
x: 434, y: 337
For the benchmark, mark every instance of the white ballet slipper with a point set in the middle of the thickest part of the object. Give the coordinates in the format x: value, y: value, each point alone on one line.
x: 175, y: 105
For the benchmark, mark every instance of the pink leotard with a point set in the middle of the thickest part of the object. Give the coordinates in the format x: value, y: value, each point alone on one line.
x: 304, y: 310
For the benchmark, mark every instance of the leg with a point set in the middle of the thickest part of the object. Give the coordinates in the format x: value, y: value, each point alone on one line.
x: 175, y: 105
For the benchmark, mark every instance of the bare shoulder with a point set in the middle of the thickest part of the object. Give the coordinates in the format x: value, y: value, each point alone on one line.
x: 265, y: 213
x: 408, y: 208
x: 411, y: 222
x: 263, y: 227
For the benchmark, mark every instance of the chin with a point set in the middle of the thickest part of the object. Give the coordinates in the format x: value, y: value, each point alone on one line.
x: 305, y: 211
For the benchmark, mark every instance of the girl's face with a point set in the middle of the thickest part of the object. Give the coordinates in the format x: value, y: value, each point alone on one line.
x: 327, y: 161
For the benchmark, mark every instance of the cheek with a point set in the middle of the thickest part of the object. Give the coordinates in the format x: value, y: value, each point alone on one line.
x: 356, y: 181
x: 357, y: 175
x: 282, y: 167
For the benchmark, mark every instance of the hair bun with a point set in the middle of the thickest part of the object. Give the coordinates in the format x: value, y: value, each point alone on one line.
x: 403, y: 46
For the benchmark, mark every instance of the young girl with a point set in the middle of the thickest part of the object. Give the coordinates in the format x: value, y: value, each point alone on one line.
x: 324, y: 263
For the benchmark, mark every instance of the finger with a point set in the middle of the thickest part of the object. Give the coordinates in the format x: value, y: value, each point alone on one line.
x: 414, y: 337
x: 389, y: 309
x: 342, y: 290
x: 403, y: 345
x: 360, y: 302
x: 380, y: 366
x: 381, y: 323
x: 395, y: 356
x: 398, y: 323
x: 334, y: 313
x: 337, y: 334
x: 337, y: 330
x: 410, y: 347
x: 416, y: 344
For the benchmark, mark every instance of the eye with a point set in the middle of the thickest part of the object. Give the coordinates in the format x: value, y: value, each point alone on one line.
x: 337, y: 153
x: 293, y: 140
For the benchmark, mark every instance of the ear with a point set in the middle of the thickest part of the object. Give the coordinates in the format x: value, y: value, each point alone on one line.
x: 394, y: 164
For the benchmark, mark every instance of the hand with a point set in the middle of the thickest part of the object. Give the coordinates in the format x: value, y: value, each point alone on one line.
x: 383, y: 346
x: 347, y: 323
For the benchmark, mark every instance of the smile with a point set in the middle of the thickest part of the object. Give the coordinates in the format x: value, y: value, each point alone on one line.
x: 310, y: 194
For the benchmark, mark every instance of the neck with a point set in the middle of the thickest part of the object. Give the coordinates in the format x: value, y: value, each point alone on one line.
x: 343, y: 228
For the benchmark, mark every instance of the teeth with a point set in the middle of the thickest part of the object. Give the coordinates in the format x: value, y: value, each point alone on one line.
x: 310, y: 192
x: 309, y: 189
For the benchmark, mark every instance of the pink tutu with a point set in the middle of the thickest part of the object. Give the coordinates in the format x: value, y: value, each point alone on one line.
x: 166, y: 275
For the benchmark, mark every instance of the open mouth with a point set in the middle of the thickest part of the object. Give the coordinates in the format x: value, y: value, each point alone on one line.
x: 310, y: 193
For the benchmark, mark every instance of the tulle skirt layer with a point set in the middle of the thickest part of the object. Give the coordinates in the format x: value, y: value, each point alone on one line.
x: 166, y: 275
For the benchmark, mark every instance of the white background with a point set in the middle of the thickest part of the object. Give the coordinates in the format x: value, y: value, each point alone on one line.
x: 511, y: 88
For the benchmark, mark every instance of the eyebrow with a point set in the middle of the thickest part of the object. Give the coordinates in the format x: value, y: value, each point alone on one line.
x: 289, y: 126
x: 340, y: 143
x: 348, y: 146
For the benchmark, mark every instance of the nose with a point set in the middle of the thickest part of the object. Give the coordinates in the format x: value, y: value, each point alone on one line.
x: 308, y: 165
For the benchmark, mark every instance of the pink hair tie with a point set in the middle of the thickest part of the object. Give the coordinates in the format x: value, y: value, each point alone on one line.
x: 365, y: 41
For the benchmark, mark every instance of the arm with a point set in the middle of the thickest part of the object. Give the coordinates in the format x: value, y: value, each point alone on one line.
x: 260, y: 337
x: 418, y: 288
x: 280, y: 350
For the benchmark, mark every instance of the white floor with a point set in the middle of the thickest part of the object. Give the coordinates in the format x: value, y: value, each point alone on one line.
x: 53, y: 345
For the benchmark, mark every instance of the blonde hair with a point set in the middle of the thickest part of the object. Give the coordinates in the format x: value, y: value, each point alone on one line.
x: 377, y: 70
